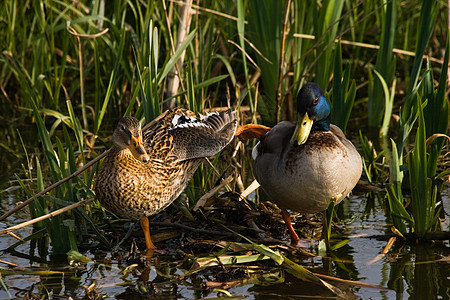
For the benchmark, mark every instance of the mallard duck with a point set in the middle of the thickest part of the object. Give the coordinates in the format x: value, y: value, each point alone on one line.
x: 146, y: 170
x: 303, y: 165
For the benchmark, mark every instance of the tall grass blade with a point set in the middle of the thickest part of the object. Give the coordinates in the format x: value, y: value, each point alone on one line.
x: 385, y: 66
x: 49, y: 152
x: 394, y: 192
x: 436, y: 113
x: 99, y: 114
x: 325, y: 29
x: 3, y: 285
x: 173, y: 60
x: 343, y: 96
x: 388, y: 104
x: 241, y: 33
x: 76, y: 126
x: 422, y: 190
x: 265, y: 29
x: 428, y: 15
x: 302, y: 23
x: 193, y: 105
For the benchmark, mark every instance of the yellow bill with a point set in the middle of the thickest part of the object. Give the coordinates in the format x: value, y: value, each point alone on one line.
x: 302, y: 130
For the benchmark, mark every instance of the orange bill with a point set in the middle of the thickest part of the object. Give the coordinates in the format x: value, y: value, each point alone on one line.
x: 137, y: 149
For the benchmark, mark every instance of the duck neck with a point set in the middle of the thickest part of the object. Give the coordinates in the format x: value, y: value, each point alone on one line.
x: 118, y: 151
x: 322, y: 125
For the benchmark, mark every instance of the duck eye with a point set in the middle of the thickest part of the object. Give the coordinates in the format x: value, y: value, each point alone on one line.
x: 316, y: 101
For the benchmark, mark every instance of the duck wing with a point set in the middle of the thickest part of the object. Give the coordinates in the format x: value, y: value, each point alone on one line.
x: 180, y: 136
x: 195, y: 138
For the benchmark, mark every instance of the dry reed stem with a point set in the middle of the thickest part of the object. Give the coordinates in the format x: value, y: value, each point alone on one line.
x: 48, y: 189
x: 8, y: 263
x: 214, y: 190
x: 175, y: 81
x: 351, y: 282
x: 252, y: 187
x: 72, y: 31
x: 211, y: 11
x: 246, y: 55
x: 16, y: 236
x: 386, y: 249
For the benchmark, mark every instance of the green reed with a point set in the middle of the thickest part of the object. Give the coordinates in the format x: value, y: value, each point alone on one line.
x: 344, y: 92
x: 429, y: 108
x: 432, y: 115
x: 385, y: 65
x: 61, y: 160
x: 325, y: 31
x: 264, y: 32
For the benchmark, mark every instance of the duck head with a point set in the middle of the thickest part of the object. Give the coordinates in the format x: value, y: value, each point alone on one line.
x: 128, y: 134
x: 314, y: 113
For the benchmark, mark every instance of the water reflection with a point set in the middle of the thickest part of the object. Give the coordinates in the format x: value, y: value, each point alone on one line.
x: 293, y: 288
x: 421, y: 272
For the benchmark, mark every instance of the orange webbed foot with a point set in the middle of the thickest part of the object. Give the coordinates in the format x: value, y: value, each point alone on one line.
x: 251, y: 131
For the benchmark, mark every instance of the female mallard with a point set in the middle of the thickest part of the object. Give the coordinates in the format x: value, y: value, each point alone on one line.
x: 145, y: 171
x: 303, y: 165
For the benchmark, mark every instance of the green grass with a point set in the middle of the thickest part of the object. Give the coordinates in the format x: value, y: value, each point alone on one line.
x: 385, y: 65
x: 73, y: 69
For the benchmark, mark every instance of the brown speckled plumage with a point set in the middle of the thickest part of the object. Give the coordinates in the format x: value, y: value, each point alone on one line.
x: 135, y: 189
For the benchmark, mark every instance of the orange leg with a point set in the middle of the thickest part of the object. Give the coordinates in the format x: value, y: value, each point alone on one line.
x: 146, y: 228
x: 287, y: 219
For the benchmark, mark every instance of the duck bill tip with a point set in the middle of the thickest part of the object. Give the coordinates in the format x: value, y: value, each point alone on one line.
x: 138, y: 150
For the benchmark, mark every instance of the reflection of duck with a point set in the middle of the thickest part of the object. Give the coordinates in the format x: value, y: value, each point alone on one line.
x: 303, y: 165
x: 145, y: 171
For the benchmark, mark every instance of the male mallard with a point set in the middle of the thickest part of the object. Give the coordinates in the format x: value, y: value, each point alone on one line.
x: 144, y: 172
x: 303, y: 165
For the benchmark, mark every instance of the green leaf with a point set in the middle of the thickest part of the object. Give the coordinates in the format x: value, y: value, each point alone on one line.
x: 50, y: 154
x: 173, y: 60
x: 428, y: 15
x: 385, y: 65
x: 388, y: 103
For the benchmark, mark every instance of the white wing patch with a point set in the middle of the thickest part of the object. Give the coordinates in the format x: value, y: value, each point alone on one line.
x: 190, y: 125
x: 175, y: 120
x: 205, y: 117
x: 189, y: 122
